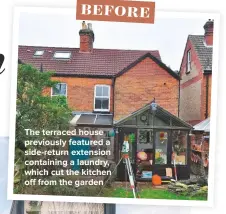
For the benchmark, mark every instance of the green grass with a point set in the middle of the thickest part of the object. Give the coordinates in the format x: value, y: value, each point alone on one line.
x: 149, y: 194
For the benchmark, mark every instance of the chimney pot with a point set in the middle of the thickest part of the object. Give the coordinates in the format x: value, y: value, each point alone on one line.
x: 208, y: 36
x: 90, y: 26
x: 84, y: 25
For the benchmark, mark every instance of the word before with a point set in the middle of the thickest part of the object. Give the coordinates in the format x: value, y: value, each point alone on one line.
x: 108, y: 10
x: 115, y: 11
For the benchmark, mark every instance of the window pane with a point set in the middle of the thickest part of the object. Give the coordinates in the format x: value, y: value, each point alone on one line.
x: 62, y: 55
x: 63, y: 89
x: 38, y: 53
x: 144, y: 157
x: 105, y: 91
x: 98, y: 90
x: 131, y: 138
x: 97, y: 103
x: 179, y: 139
x: 102, y: 103
x: 60, y: 89
x: 105, y: 103
x: 161, y: 148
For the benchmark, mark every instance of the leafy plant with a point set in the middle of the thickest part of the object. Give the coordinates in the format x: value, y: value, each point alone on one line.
x: 159, y: 160
x: 35, y: 110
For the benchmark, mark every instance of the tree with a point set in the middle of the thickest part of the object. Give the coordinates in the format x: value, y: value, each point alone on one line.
x: 36, y: 110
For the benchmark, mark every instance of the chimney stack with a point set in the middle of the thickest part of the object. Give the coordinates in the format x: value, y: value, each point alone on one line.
x: 86, y: 38
x: 208, y: 36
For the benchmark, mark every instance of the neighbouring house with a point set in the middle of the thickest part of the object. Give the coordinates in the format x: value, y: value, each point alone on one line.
x: 131, y: 93
x: 196, y: 76
x: 195, y: 93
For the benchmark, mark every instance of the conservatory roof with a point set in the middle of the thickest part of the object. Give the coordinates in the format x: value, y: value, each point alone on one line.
x: 160, y: 113
x: 88, y: 118
x: 203, y: 126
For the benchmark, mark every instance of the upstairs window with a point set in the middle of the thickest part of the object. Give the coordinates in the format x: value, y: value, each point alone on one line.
x: 102, y: 98
x: 59, y: 90
x: 39, y: 53
x: 188, y: 61
x: 62, y: 55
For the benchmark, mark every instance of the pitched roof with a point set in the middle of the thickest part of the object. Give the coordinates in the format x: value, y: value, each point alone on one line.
x: 160, y: 113
x: 203, y: 51
x: 101, y: 62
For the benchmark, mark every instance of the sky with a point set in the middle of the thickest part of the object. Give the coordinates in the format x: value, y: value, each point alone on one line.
x: 168, y: 35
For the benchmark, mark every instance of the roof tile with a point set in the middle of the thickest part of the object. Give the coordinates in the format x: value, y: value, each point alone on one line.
x: 101, y: 62
x: 204, y: 52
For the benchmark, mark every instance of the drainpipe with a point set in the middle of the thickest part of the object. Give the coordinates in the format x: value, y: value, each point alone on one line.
x: 207, y: 97
x: 113, y: 98
x: 179, y: 99
x: 116, y: 147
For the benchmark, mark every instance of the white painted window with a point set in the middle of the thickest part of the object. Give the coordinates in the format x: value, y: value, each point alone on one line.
x: 39, y: 53
x: 62, y: 55
x: 59, y: 90
x: 188, y: 61
x: 102, y: 98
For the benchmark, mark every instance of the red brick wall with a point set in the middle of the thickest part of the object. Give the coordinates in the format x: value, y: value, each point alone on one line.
x: 86, y: 43
x: 80, y: 92
x: 204, y: 98
x: 191, y: 88
x: 141, y: 84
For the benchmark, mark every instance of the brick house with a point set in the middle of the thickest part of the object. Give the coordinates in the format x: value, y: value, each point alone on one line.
x: 114, y: 89
x: 196, y: 76
x: 195, y: 94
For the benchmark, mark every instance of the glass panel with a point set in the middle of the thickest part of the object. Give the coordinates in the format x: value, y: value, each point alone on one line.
x: 38, y: 53
x: 59, y: 89
x: 98, y: 91
x: 62, y: 55
x: 97, y: 103
x: 131, y: 138
x: 144, y: 157
x: 105, y: 103
x: 63, y: 89
x: 161, y: 140
x: 102, y: 103
x: 105, y: 91
x: 179, y: 139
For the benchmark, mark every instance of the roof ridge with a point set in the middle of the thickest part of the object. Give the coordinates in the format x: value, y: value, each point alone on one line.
x: 40, y: 46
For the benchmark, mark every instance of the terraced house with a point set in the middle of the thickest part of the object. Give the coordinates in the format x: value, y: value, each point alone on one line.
x: 129, y: 92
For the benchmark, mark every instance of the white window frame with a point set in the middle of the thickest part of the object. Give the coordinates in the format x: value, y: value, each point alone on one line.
x: 109, y: 97
x: 54, y: 95
x: 188, y: 65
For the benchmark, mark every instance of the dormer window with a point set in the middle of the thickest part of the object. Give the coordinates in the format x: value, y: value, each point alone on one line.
x: 188, y: 61
x: 62, y: 55
x: 60, y: 89
x: 39, y: 53
x: 102, y: 98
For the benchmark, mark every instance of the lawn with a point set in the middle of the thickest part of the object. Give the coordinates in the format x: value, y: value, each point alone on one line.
x: 149, y: 194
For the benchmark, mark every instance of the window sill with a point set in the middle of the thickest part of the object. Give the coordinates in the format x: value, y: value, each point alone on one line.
x: 101, y: 111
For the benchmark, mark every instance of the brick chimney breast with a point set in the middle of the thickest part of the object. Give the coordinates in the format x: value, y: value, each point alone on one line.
x: 86, y: 38
x: 208, y: 36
